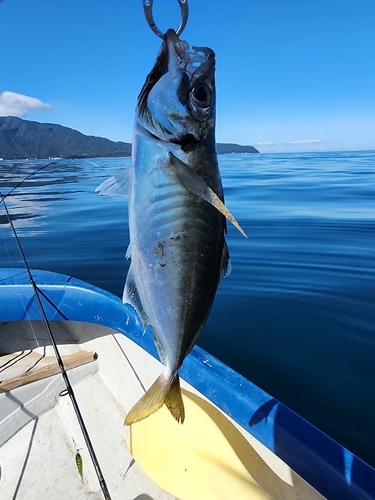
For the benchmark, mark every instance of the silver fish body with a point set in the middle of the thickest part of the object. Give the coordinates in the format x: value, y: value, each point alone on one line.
x: 177, y: 245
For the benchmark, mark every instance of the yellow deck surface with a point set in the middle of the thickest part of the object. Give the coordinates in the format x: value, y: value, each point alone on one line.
x: 206, y: 458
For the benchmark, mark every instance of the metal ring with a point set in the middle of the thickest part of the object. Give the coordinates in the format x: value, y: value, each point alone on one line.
x: 147, y: 7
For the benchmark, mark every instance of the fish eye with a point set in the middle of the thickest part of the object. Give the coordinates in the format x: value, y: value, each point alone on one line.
x: 201, y: 95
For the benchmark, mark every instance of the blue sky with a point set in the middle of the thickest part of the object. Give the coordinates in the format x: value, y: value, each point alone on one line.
x: 292, y: 75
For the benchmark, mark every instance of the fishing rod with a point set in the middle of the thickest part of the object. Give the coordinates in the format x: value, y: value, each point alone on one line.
x: 69, y: 388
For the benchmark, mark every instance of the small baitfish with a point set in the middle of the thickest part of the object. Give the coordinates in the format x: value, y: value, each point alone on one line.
x: 176, y: 213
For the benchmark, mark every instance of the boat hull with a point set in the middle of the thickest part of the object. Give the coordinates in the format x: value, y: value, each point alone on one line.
x: 323, y: 463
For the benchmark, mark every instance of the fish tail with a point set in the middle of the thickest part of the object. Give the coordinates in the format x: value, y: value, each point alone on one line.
x: 174, y: 401
x: 162, y: 391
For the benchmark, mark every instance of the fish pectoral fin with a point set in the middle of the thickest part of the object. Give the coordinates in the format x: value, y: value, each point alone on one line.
x: 196, y: 185
x: 161, y: 391
x: 131, y: 296
x: 117, y: 185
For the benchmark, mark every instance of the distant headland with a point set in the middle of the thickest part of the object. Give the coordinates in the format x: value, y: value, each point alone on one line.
x: 21, y: 139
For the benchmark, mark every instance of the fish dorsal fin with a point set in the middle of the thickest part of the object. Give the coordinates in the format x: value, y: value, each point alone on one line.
x: 226, y: 266
x: 131, y: 297
x: 196, y: 185
x: 117, y: 185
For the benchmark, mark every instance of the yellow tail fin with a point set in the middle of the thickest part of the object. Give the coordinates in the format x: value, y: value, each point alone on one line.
x: 174, y: 401
x: 162, y: 391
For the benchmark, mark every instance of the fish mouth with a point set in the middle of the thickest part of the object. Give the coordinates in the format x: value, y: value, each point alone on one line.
x: 194, y: 62
x: 165, y: 105
x: 174, y: 44
x: 176, y: 53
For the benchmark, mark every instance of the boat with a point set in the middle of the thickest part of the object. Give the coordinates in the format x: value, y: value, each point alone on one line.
x: 237, y: 442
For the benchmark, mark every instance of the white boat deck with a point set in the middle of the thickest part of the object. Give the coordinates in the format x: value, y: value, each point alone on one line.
x: 38, y: 426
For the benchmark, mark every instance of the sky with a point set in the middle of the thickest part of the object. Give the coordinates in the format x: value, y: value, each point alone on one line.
x: 291, y: 75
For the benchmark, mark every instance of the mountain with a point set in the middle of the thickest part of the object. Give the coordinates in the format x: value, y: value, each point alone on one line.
x: 223, y: 148
x: 28, y: 139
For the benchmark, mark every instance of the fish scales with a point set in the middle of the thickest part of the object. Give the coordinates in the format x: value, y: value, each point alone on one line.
x: 191, y: 261
x: 177, y: 238
x: 176, y: 213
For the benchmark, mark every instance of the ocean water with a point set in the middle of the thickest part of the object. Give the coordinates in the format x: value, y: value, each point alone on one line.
x: 297, y: 314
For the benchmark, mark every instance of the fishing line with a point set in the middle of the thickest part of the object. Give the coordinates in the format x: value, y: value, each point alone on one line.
x: 129, y: 362
x: 64, y: 374
x: 25, y: 179
x: 6, y: 247
x: 2, y: 198
x: 20, y: 295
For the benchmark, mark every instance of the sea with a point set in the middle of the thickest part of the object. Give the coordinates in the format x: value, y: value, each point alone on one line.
x: 297, y: 314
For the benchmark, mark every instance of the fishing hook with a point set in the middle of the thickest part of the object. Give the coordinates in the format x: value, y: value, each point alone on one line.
x: 147, y: 7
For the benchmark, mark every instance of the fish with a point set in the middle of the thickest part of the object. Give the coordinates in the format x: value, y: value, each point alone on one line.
x: 177, y: 215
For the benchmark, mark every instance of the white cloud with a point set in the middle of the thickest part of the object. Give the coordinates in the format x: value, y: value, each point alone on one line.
x: 265, y: 143
x: 305, y: 141
x: 13, y: 104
